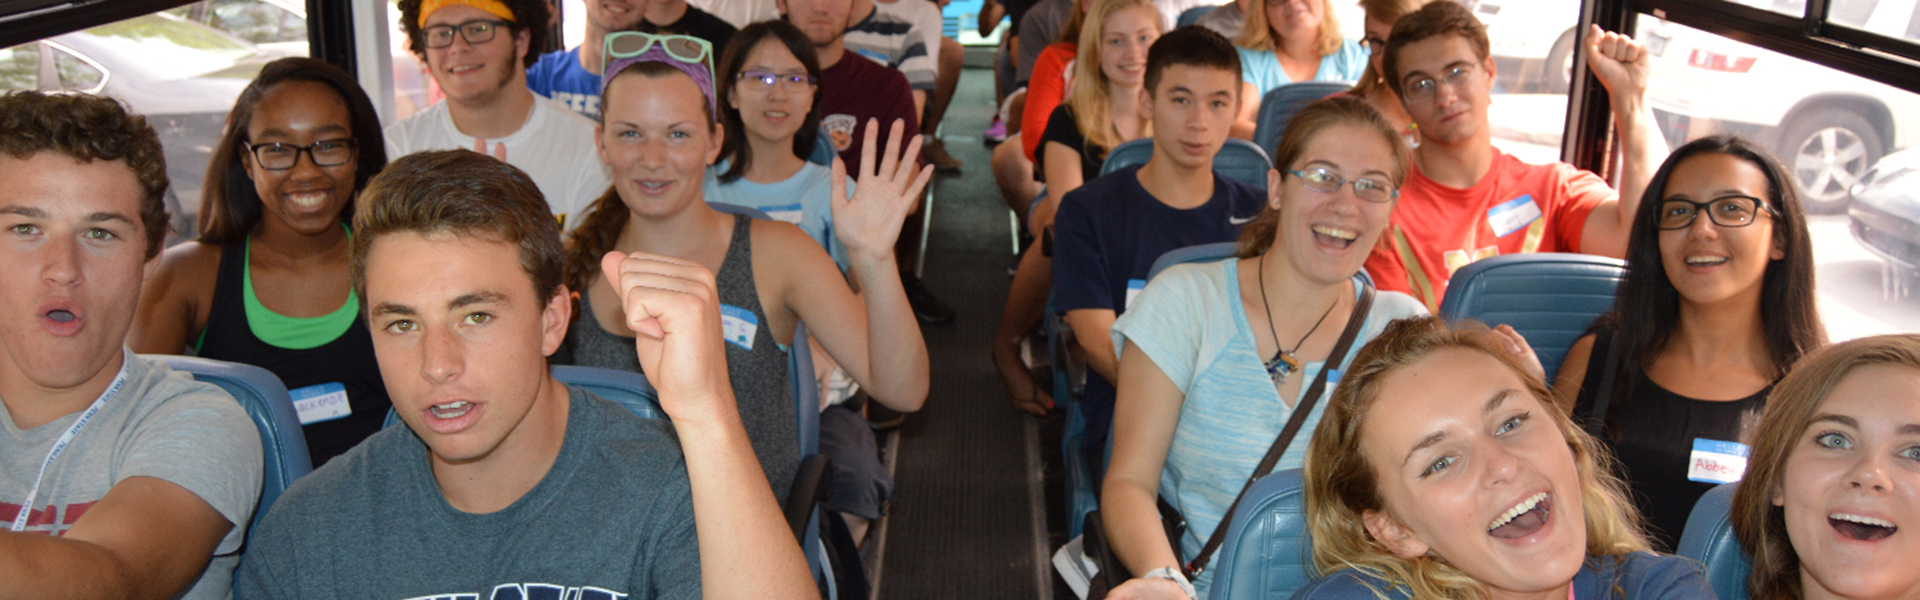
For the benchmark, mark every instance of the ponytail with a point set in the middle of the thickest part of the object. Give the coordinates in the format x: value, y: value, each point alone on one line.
x: 597, y: 234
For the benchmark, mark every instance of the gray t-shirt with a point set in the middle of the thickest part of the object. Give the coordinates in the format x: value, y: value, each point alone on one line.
x: 160, y: 424
x: 1038, y: 29
x: 612, y: 519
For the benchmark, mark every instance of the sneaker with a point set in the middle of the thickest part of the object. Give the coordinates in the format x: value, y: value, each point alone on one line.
x: 925, y: 306
x: 935, y: 153
x: 996, y: 133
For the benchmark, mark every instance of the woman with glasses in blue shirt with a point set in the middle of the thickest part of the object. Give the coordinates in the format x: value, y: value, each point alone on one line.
x: 770, y: 82
x: 1717, y: 304
x: 1216, y: 357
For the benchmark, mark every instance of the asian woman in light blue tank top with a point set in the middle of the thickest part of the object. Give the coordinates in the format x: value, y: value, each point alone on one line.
x: 657, y: 137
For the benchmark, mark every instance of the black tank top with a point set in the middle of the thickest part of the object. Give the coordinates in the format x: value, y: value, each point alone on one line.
x: 347, y: 360
x: 1655, y: 433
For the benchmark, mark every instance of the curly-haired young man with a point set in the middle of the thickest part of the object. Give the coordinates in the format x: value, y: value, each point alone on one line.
x: 478, y: 52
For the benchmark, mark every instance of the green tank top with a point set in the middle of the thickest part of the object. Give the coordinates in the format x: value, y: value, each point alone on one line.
x: 292, y: 333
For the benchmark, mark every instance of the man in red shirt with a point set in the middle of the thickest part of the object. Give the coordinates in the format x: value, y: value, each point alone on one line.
x: 1464, y: 200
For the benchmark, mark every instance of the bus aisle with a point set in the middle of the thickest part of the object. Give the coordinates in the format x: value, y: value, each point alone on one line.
x: 967, y: 467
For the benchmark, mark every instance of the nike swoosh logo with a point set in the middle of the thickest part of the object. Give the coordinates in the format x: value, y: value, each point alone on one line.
x: 1233, y: 221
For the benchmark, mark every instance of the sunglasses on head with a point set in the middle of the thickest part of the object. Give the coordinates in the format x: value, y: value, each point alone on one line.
x: 683, y: 48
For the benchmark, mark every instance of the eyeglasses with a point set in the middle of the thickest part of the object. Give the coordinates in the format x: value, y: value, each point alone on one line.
x: 683, y: 48
x: 691, y: 55
x: 479, y: 31
x: 1322, y: 180
x: 766, y: 81
x: 280, y: 157
x: 1725, y: 211
x: 1373, y: 45
x: 1423, y: 89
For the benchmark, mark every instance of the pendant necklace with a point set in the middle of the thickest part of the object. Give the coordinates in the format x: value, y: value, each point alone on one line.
x: 1283, y: 362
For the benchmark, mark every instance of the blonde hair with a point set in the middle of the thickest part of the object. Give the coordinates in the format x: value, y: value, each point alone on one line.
x: 1761, y: 526
x: 1257, y: 34
x: 1384, y: 11
x: 1258, y: 235
x: 1341, y: 485
x: 1090, y: 103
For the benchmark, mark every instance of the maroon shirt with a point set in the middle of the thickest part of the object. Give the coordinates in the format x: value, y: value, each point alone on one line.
x: 855, y: 90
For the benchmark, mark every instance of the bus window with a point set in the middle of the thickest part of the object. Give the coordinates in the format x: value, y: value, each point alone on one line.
x: 20, y: 68
x: 1532, y: 43
x: 178, y: 72
x: 1840, y: 136
x: 1852, y: 13
x: 76, y: 73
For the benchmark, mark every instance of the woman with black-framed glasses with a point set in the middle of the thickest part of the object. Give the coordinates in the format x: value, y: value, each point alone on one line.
x: 1712, y: 312
x: 266, y: 283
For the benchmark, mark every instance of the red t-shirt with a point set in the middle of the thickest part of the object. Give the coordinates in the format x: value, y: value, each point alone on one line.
x: 1045, y: 90
x: 1516, y: 207
x: 855, y: 90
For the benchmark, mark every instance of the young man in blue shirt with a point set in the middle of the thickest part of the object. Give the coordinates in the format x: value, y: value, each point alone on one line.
x: 1109, y: 232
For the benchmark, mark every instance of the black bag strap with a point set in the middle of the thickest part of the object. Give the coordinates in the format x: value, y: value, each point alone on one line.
x: 1603, y: 397
x: 1299, y: 419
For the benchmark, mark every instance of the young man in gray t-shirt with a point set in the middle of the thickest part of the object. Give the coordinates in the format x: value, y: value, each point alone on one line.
x: 118, y: 477
x: 504, y: 483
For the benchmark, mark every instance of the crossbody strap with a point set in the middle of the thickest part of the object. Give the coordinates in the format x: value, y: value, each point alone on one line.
x: 1299, y: 419
x: 1603, y: 397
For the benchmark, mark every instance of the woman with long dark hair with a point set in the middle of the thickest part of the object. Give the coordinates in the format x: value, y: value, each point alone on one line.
x: 1716, y: 305
x: 266, y: 283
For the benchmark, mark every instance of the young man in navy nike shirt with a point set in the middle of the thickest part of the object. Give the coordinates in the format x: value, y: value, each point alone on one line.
x: 1109, y: 232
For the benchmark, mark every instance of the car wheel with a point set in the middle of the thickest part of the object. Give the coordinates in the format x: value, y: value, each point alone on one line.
x: 1557, y: 75
x: 1827, y: 150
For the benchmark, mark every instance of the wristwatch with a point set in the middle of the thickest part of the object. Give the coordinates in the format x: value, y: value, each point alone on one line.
x: 1178, y: 578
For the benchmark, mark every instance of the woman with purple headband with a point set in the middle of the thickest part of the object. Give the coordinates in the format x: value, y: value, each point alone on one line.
x: 657, y: 136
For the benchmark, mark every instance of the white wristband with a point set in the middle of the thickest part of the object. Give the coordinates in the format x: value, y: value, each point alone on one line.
x: 1174, y: 575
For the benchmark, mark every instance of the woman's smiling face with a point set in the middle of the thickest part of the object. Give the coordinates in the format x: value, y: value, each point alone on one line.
x: 1850, y: 489
x: 771, y: 112
x: 1709, y: 263
x: 1124, y: 39
x: 1327, y: 235
x: 1473, y: 471
x: 306, y: 198
x: 657, y: 140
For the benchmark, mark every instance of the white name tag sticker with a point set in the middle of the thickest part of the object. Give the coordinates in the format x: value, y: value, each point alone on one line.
x: 1715, y: 461
x: 1133, y: 291
x: 324, y: 402
x: 1514, y: 215
x: 789, y: 212
x: 738, y: 325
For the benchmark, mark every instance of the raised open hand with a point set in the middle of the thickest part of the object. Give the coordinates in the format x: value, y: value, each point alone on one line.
x: 868, y: 222
x: 1621, y: 64
x: 673, y: 308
